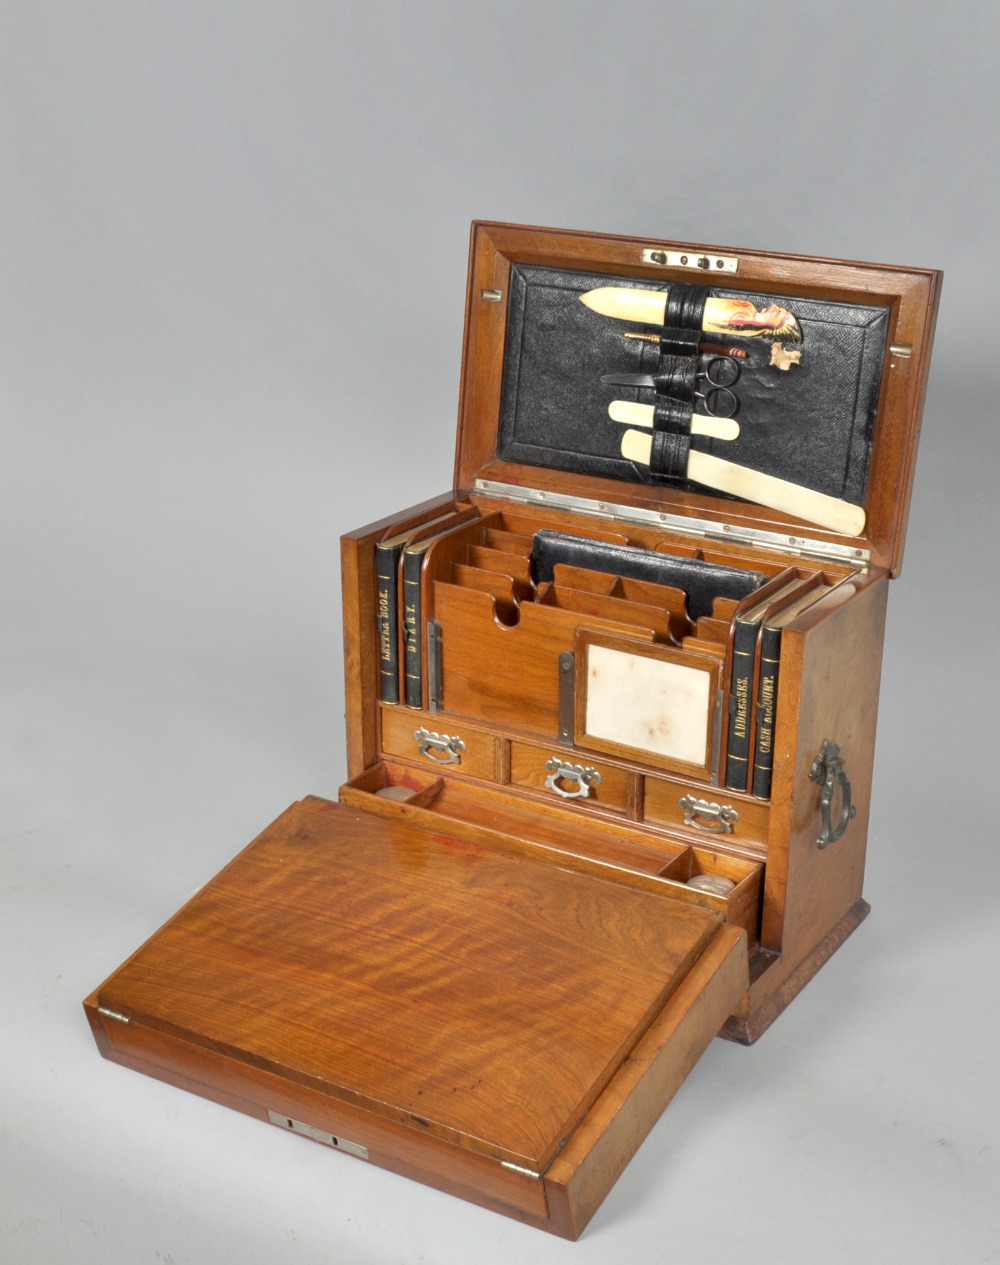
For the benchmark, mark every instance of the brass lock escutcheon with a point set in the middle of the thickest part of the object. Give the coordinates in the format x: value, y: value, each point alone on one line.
x: 560, y: 771
x: 714, y: 819
x: 450, y: 748
x: 827, y: 770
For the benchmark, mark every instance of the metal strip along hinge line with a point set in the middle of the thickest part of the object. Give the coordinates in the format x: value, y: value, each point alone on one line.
x: 318, y: 1135
x: 703, y: 528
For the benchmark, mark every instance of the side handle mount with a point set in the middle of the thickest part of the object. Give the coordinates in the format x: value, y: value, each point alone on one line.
x: 827, y: 771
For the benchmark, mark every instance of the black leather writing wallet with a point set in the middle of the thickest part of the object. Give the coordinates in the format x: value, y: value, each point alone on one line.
x: 702, y: 581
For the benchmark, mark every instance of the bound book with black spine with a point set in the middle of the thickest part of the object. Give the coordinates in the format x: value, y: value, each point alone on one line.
x: 411, y: 568
x: 767, y: 692
x: 387, y: 555
x: 767, y: 683
x: 744, y: 653
x: 702, y: 581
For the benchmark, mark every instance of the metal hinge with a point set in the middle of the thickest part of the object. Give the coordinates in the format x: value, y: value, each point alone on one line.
x: 690, y: 259
x: 113, y: 1014
x: 778, y: 542
x: 517, y: 1168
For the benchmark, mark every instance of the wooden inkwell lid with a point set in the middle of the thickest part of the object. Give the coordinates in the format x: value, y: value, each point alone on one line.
x: 843, y: 420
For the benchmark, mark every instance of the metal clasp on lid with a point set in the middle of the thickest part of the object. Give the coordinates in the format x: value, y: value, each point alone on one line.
x: 690, y: 259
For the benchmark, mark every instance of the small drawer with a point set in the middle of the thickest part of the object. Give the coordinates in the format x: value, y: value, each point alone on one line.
x: 395, y: 782
x: 705, y: 811
x: 445, y: 741
x: 568, y: 776
x: 740, y: 905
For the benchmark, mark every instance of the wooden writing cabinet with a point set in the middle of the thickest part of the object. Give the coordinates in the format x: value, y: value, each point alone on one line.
x: 610, y: 724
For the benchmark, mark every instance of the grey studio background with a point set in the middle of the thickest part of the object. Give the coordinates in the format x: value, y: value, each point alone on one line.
x: 233, y: 260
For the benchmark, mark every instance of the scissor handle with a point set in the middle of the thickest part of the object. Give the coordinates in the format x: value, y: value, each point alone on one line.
x: 722, y: 371
x: 719, y: 401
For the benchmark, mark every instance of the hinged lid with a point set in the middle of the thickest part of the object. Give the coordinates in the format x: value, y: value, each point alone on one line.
x: 842, y: 420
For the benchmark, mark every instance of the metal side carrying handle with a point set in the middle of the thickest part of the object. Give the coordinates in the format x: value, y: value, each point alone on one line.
x: 827, y: 770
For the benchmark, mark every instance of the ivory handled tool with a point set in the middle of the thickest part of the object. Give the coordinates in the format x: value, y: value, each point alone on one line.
x: 720, y: 316
x: 632, y: 414
x: 752, y: 485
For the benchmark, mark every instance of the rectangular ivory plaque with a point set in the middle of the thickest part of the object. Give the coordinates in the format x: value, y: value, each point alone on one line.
x: 657, y: 705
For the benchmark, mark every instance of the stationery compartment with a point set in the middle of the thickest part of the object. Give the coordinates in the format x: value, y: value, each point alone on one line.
x: 503, y: 588
x: 593, y: 605
x: 507, y: 673
x: 507, y: 541
x: 490, y: 638
x: 502, y: 561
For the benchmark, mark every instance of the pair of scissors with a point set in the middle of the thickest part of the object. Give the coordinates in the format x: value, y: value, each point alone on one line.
x: 720, y: 373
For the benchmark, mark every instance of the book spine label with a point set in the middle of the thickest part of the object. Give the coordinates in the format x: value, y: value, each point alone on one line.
x: 387, y: 619
x: 412, y: 665
x: 767, y: 694
x: 738, y: 745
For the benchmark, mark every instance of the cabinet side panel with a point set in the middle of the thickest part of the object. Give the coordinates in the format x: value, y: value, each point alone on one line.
x: 357, y: 570
x: 829, y: 690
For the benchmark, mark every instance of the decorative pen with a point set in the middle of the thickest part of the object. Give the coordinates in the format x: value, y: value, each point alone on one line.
x: 718, y: 316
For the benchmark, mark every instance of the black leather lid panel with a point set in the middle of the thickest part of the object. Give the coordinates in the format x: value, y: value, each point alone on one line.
x: 811, y: 424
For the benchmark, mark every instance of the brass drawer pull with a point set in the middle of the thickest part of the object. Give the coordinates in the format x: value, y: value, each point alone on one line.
x: 719, y: 817
x: 559, y: 770
x: 451, y: 748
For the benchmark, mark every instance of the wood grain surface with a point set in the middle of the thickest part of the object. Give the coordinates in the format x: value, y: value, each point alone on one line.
x: 482, y: 998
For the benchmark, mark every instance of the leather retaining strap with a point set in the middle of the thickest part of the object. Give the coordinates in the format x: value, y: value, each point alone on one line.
x: 668, y: 455
x: 685, y: 306
x: 672, y: 415
x: 676, y: 376
x: 679, y: 342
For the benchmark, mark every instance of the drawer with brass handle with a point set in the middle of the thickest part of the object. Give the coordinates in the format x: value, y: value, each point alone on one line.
x: 707, y: 812
x: 445, y: 741
x: 568, y: 777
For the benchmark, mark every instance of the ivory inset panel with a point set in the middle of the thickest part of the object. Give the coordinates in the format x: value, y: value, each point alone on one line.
x: 650, y: 704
